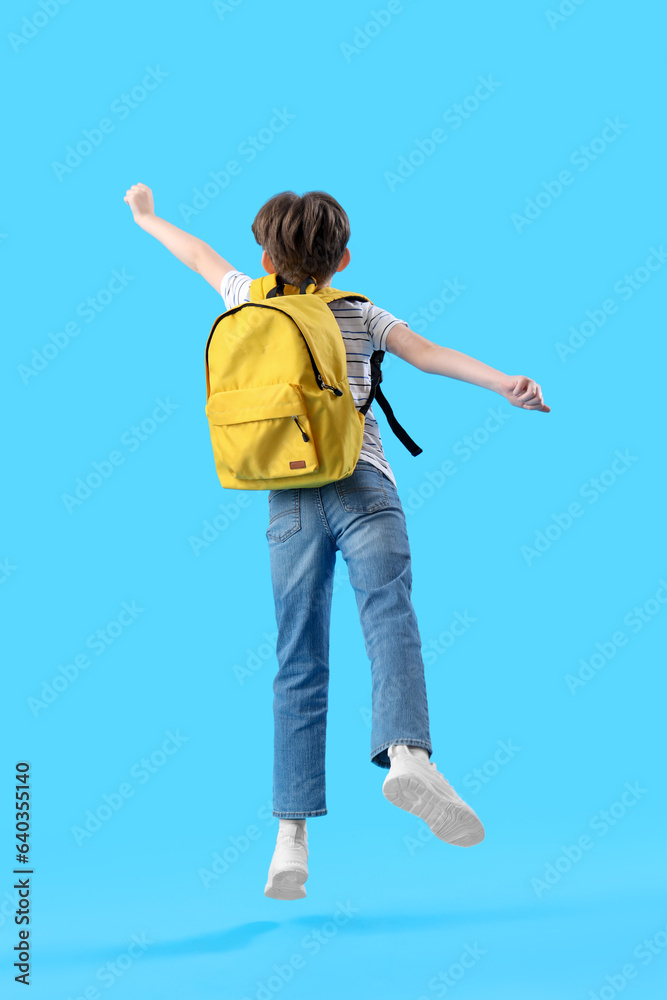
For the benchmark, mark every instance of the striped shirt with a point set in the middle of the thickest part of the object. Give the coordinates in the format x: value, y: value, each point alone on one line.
x: 364, y: 328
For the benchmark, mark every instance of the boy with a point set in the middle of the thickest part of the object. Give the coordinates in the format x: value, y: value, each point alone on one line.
x: 360, y: 515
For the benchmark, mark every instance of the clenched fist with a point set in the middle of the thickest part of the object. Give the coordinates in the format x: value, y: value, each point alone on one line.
x: 525, y: 393
x: 140, y: 199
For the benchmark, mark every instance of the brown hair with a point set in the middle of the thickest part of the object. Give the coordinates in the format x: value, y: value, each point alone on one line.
x: 304, y: 236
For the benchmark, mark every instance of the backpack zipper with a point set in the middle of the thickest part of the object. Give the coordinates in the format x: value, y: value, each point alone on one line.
x: 322, y: 384
x: 303, y: 433
x: 320, y: 381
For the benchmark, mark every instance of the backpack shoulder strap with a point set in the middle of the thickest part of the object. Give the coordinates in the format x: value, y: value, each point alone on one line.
x: 377, y: 393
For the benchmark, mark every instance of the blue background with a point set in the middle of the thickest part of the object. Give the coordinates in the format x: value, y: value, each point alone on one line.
x: 197, y: 659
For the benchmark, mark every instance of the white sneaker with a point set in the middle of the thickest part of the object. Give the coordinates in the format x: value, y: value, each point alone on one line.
x: 416, y: 785
x: 289, y: 866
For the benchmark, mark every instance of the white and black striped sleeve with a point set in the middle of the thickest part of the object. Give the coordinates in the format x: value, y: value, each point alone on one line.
x: 235, y: 288
x: 379, y: 322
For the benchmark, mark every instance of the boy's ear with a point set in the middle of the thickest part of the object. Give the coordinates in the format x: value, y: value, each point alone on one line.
x: 344, y: 261
x: 266, y: 263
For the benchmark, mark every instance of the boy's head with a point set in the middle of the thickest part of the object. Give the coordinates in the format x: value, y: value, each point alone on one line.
x: 303, y: 236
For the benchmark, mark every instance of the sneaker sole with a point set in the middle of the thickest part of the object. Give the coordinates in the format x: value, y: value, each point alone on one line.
x: 449, y: 821
x: 287, y: 885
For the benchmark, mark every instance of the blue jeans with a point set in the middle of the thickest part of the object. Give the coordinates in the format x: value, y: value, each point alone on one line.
x: 362, y: 517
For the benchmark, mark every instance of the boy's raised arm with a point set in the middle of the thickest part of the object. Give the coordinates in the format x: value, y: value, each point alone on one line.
x: 435, y: 359
x: 192, y: 251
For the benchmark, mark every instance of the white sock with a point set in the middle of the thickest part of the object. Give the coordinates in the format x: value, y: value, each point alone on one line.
x: 415, y: 751
x: 287, y: 825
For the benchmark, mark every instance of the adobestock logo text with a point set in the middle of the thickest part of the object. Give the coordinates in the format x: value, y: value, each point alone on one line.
x: 248, y: 150
x: 33, y: 24
x: 132, y: 439
x: 591, y: 490
x: 454, y: 116
x: 122, y: 107
x: 581, y: 158
x: 98, y: 642
x: 88, y: 309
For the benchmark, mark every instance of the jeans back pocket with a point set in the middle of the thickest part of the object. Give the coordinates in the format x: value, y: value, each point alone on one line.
x: 364, y: 490
x: 284, y: 514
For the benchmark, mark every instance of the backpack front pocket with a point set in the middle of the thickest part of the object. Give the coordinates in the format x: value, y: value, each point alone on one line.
x: 262, y: 432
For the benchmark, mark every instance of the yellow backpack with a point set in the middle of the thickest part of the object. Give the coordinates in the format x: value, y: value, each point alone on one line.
x: 279, y: 405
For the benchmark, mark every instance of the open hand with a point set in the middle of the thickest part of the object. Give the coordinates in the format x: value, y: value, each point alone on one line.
x: 524, y: 392
x: 140, y: 199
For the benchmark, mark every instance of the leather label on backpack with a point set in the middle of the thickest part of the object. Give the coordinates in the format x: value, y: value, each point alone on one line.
x: 298, y: 465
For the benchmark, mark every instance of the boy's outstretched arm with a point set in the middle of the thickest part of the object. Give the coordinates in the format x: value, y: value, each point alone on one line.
x: 434, y: 359
x: 198, y: 256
